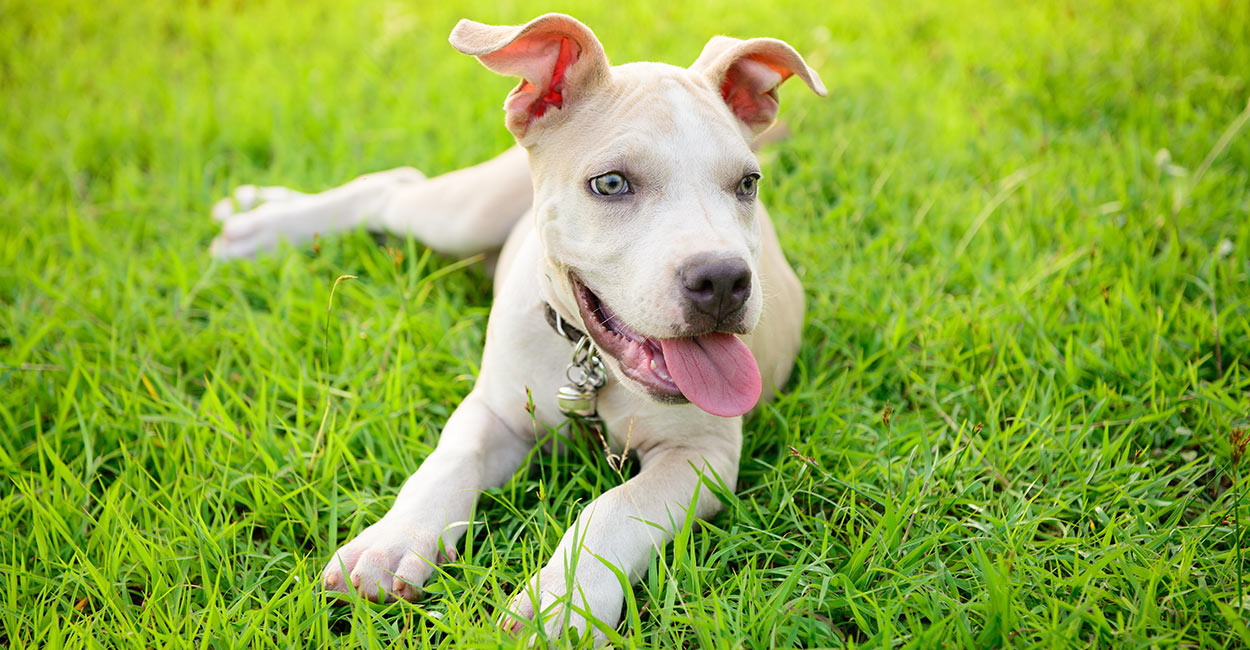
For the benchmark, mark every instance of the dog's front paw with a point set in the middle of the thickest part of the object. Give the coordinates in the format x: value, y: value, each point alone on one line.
x: 558, y: 602
x: 389, y: 560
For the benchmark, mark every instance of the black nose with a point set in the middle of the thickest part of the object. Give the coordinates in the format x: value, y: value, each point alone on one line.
x: 717, y: 287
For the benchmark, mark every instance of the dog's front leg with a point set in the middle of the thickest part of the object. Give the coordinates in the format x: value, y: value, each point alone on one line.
x: 624, y: 527
x: 394, y: 557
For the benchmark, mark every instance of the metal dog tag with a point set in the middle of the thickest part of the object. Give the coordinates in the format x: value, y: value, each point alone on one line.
x: 576, y: 402
x: 586, y: 375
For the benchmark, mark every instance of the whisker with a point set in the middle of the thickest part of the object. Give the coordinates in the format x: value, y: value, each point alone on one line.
x: 607, y: 320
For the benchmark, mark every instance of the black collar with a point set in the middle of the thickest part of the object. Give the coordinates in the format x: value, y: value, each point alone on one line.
x: 562, y: 326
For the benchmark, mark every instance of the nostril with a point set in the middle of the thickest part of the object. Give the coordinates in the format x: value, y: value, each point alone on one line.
x: 704, y: 287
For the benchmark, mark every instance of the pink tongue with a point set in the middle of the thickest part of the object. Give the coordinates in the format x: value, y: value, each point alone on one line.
x: 715, y: 371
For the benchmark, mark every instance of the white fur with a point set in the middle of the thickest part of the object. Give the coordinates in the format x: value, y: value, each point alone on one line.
x: 685, y: 151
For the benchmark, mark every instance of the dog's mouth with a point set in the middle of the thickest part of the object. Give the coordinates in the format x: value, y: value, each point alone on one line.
x: 715, y: 371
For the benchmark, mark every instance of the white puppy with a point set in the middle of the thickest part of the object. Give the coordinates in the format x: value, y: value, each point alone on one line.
x: 629, y: 214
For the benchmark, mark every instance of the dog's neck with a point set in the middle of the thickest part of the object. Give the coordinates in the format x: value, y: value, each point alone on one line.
x: 562, y: 326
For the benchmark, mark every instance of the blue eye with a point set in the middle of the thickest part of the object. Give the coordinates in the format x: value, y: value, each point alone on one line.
x: 609, y: 184
x: 749, y: 186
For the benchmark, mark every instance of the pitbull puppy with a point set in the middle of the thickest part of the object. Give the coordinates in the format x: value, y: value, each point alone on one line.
x: 628, y: 214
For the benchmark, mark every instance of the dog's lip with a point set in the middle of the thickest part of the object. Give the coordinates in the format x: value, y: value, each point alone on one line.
x: 639, y: 357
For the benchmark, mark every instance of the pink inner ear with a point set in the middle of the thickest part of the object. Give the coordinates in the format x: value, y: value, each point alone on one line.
x: 528, y: 101
x: 555, y: 92
x: 750, y: 90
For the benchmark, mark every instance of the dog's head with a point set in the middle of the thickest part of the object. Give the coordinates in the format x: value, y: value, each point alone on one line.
x: 645, y: 196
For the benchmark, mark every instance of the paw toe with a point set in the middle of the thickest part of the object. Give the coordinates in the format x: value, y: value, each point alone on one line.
x: 513, y: 626
x: 369, y: 586
x: 224, y: 248
x: 405, y: 590
x: 246, y: 196
x: 520, y: 609
x: 223, y: 209
x: 333, y: 581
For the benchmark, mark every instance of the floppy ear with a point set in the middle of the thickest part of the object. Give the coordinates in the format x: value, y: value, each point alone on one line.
x: 558, y: 59
x: 748, y: 74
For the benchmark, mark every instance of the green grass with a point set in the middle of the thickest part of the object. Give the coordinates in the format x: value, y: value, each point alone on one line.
x: 1023, y: 229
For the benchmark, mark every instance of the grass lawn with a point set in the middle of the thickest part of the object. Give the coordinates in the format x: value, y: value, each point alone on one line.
x: 1023, y: 229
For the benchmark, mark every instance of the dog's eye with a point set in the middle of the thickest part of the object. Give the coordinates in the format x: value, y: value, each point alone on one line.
x: 609, y: 184
x: 748, y: 186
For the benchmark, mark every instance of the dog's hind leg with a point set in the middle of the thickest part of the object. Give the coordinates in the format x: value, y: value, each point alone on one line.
x: 460, y: 213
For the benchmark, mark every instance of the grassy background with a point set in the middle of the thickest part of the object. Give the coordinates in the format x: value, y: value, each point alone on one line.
x: 1022, y: 234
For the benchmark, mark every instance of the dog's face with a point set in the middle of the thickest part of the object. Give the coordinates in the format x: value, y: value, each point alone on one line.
x: 645, y: 198
x: 645, y: 203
